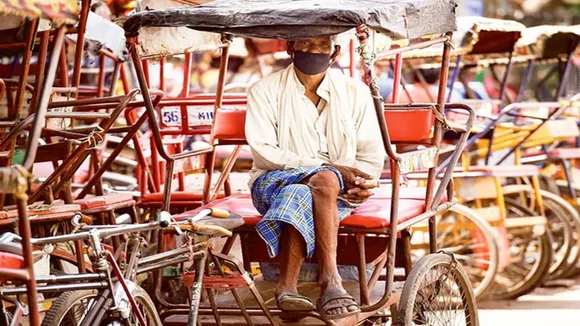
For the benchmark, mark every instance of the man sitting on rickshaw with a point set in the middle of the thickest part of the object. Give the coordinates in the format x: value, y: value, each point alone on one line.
x: 317, y: 152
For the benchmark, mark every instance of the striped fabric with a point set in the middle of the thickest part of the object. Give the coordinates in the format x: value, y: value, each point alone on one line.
x: 280, y: 198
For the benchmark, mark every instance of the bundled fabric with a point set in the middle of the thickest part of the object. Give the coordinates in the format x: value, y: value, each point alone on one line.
x: 297, y: 19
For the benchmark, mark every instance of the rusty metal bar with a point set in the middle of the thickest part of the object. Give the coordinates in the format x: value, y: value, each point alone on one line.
x: 82, y: 27
x: 44, y: 98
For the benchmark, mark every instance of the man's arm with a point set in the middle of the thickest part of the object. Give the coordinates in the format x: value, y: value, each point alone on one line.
x: 263, y: 139
x: 370, y: 156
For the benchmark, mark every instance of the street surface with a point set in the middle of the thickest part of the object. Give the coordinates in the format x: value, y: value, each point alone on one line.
x: 543, y: 307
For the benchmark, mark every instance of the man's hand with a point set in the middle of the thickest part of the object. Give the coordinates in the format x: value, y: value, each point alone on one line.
x: 353, y: 178
x: 359, y: 195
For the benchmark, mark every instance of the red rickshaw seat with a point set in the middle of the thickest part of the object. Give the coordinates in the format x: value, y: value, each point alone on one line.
x: 105, y: 200
x: 56, y: 211
x: 416, y: 193
x: 229, y: 125
x: 507, y: 170
x: 176, y: 196
x: 401, y: 131
x: 10, y: 260
x: 375, y: 213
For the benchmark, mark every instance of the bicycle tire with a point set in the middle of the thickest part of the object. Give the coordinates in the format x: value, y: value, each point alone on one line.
x: 574, y: 223
x: 62, y: 305
x: 411, y: 312
x: 540, y: 268
x: 559, y: 221
x: 491, y: 245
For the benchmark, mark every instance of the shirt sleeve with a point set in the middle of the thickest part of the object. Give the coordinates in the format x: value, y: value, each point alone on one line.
x: 263, y: 139
x: 370, y: 156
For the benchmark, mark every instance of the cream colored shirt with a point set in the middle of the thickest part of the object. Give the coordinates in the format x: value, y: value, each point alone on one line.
x: 261, y: 128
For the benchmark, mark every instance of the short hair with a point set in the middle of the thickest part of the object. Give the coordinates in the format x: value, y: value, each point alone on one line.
x: 333, y: 41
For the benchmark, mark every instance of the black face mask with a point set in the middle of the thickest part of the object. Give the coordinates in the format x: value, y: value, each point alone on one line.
x: 311, y: 63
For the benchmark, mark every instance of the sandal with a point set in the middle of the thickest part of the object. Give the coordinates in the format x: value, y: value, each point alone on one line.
x: 324, y: 304
x: 294, y: 302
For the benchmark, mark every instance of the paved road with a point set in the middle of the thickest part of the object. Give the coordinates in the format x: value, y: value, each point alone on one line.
x: 544, y: 307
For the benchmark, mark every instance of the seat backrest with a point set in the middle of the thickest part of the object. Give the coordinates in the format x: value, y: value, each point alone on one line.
x: 405, y: 125
x: 409, y: 126
x: 229, y: 127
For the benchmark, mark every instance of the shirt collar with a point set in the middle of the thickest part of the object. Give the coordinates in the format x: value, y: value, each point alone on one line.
x: 323, y: 89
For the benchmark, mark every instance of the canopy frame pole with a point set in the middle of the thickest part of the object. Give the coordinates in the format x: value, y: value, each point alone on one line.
x: 565, y: 75
x: 525, y: 79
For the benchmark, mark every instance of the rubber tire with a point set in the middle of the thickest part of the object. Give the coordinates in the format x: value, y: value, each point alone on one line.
x: 491, y: 242
x: 418, y: 273
x: 64, y: 302
x: 559, y: 263
x: 543, y: 266
x: 574, y: 221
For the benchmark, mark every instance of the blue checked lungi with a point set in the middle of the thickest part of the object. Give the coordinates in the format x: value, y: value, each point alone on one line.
x: 280, y: 198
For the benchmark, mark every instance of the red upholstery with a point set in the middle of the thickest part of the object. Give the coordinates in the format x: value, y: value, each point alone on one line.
x: 230, y: 125
x: 58, y: 210
x: 375, y: 213
x: 404, y: 193
x: 409, y: 126
x: 9, y: 260
x: 506, y: 171
x: 176, y: 196
x: 105, y: 200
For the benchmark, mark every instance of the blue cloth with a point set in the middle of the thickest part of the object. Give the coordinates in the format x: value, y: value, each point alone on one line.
x: 281, y: 198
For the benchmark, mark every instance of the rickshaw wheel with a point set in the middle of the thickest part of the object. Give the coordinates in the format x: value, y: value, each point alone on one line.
x: 572, y: 219
x: 437, y: 292
x: 462, y: 232
x: 71, y: 307
x: 561, y: 224
x: 533, y: 257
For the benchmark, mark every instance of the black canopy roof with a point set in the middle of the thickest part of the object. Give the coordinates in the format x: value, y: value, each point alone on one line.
x: 295, y: 19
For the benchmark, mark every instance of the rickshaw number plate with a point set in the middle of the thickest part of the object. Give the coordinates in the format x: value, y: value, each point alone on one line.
x: 196, y: 115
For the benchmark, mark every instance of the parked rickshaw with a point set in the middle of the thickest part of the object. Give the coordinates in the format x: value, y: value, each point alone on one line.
x: 503, y: 138
x: 379, y: 231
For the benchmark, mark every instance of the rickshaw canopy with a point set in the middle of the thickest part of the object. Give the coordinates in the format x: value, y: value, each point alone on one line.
x: 298, y: 19
x: 548, y: 42
x: 57, y: 11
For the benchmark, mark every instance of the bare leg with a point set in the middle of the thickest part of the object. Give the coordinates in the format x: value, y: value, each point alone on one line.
x: 325, y: 188
x: 292, y: 254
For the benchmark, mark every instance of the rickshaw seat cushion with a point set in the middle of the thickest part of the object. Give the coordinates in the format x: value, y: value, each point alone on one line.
x: 374, y: 213
x: 57, y: 210
x: 417, y: 193
x: 105, y: 200
x: 409, y: 126
x: 176, y: 196
x: 230, y: 125
x: 506, y: 171
x: 10, y: 260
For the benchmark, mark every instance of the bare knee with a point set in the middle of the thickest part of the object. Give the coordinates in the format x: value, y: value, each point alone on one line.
x: 324, y: 183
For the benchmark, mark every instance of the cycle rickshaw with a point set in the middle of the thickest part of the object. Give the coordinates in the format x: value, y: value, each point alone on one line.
x: 370, y: 234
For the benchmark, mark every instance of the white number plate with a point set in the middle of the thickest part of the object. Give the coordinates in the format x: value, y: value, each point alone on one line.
x: 197, y: 115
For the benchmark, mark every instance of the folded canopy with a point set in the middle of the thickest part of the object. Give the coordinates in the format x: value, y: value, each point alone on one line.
x: 295, y: 19
x: 57, y: 11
